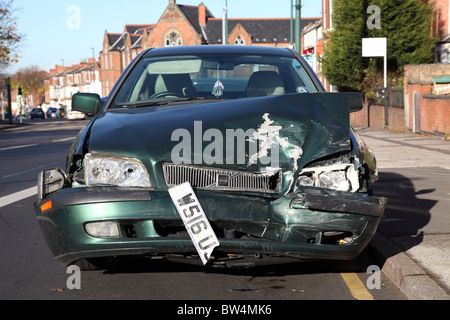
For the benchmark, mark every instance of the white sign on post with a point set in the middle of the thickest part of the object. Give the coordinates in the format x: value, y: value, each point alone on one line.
x: 376, y: 47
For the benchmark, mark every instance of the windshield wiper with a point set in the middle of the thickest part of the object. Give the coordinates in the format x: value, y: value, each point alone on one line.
x: 165, y: 102
x: 149, y: 103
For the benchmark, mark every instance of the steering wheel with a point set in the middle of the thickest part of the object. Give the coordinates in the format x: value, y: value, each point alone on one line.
x: 166, y: 94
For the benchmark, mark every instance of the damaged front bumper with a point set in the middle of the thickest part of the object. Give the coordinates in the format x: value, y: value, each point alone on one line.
x: 309, y: 224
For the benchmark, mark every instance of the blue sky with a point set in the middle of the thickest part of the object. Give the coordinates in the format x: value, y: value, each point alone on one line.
x: 68, y: 29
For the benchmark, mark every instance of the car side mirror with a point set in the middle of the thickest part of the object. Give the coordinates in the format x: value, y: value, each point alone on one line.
x: 87, y: 102
x: 355, y: 102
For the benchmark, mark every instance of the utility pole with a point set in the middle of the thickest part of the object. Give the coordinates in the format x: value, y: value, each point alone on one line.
x: 8, y: 89
x: 298, y: 31
x: 125, y: 50
x: 225, y: 23
x: 19, y: 95
x: 93, y: 57
x: 292, y: 24
x: 64, y: 86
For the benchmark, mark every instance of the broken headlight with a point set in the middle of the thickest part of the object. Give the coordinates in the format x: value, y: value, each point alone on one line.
x: 115, y: 171
x: 342, y: 177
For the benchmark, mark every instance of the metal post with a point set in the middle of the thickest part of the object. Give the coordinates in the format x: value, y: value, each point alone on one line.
x: 64, y: 85
x: 20, y: 109
x: 386, y: 108
x: 225, y: 24
x: 298, y: 31
x: 3, y: 113
x: 292, y: 23
x: 93, y: 59
x: 125, y: 50
x: 226, y: 21
x: 8, y: 90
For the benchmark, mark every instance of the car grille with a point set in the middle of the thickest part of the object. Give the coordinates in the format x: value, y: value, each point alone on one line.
x: 220, y: 179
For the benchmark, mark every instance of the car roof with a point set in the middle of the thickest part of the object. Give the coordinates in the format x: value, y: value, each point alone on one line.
x: 218, y: 49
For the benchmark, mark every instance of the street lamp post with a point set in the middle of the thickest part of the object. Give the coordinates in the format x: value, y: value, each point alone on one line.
x: 93, y: 59
x: 64, y: 84
x: 298, y: 31
x: 292, y: 24
x: 225, y: 23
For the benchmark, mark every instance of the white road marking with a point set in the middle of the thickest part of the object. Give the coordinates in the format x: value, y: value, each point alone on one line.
x: 12, y: 198
x: 18, y: 147
x: 66, y: 139
x: 29, y: 170
x: 35, y: 144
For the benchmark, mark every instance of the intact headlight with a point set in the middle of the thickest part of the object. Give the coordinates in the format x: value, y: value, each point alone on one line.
x: 115, y: 171
x: 342, y: 177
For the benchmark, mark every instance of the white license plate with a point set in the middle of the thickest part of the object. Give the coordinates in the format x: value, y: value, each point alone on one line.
x: 195, y: 220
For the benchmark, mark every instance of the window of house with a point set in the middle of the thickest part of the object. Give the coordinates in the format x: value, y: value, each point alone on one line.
x: 239, y: 41
x: 173, y: 39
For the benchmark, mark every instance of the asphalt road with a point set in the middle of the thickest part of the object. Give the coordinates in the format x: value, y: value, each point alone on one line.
x: 29, y: 271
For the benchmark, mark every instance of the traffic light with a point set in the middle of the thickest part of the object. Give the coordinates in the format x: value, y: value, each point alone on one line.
x: 20, y: 92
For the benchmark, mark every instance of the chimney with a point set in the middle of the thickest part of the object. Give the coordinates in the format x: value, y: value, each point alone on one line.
x: 172, y: 2
x: 202, y: 14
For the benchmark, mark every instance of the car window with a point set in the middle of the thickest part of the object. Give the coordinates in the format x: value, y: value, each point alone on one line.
x: 212, y: 76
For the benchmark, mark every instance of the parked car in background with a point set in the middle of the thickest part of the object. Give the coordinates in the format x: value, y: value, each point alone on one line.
x: 54, y: 113
x: 223, y: 153
x: 76, y: 115
x: 37, y: 113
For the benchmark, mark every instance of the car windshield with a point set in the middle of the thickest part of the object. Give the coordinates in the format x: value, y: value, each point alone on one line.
x: 162, y: 79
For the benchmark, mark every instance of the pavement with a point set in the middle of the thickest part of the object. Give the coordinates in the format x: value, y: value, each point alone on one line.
x: 4, y: 124
x: 412, y: 243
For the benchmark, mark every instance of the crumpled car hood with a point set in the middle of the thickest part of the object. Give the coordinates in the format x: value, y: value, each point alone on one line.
x: 305, y: 127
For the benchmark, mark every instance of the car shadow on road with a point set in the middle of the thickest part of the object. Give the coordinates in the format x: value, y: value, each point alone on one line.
x: 405, y: 214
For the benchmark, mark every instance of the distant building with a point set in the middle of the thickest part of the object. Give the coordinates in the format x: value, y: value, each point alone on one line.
x: 62, y: 82
x: 187, y: 25
x: 441, y: 26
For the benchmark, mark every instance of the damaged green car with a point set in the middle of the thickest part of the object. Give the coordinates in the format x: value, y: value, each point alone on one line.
x: 223, y: 153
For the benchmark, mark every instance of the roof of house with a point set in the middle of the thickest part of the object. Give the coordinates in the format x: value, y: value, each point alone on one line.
x: 138, y: 28
x: 191, y: 13
x: 261, y: 30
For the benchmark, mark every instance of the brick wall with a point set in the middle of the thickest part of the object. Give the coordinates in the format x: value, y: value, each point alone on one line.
x: 374, y: 116
x: 435, y: 114
x: 434, y: 109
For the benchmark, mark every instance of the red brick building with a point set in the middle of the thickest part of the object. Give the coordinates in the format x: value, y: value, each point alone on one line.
x: 187, y: 25
x: 442, y: 27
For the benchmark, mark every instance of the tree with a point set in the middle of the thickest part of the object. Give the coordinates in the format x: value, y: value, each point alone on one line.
x: 410, y: 40
x: 9, y: 35
x: 343, y: 64
x: 407, y: 26
x: 31, y: 80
